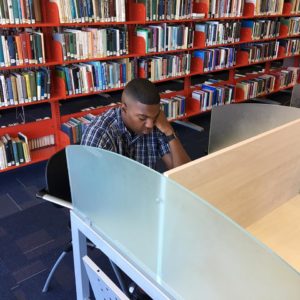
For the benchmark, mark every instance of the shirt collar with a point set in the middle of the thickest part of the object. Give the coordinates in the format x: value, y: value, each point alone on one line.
x: 120, y: 122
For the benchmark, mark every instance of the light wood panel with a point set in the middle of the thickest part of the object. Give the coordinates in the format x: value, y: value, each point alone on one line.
x: 249, y: 179
x: 280, y: 230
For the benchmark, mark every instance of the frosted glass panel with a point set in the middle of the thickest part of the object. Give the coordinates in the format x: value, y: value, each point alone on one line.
x: 236, y: 122
x: 119, y: 196
x: 176, y: 239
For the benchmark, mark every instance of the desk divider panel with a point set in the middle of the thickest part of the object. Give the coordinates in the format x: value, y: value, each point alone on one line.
x: 233, y: 123
x: 176, y: 239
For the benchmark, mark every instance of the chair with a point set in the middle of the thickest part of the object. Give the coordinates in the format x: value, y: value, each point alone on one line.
x: 58, y: 192
x: 57, y: 181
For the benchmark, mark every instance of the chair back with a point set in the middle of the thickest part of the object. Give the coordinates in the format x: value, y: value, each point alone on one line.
x: 295, y: 98
x: 57, y: 176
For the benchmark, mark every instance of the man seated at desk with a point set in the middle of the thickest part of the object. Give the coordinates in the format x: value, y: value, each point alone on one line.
x: 138, y: 129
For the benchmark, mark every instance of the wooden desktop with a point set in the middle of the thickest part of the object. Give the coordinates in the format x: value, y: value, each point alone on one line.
x: 256, y: 183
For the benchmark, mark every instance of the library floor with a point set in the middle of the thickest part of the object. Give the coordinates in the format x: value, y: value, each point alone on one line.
x: 33, y: 232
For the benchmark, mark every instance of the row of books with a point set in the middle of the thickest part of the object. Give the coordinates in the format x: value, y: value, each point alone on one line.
x: 114, y: 10
x: 288, y: 76
x: 267, y: 7
x: 18, y: 48
x: 173, y: 107
x: 293, y: 25
x: 96, y: 76
x: 167, y: 10
x: 225, y: 8
x: 166, y: 37
x: 266, y: 83
x: 292, y: 46
x: 210, y: 95
x: 41, y: 142
x: 262, y: 29
x: 261, y: 51
x: 34, y: 85
x: 164, y: 66
x: 20, y: 11
x: 74, y: 11
x: 92, y: 42
x: 217, y: 58
x: 257, y: 86
x: 80, y: 11
x: 14, y: 150
x: 28, y: 47
x: 24, y: 86
x: 219, y: 32
x: 295, y: 6
x: 75, y: 127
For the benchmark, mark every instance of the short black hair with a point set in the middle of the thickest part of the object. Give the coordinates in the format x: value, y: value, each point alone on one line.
x: 143, y: 91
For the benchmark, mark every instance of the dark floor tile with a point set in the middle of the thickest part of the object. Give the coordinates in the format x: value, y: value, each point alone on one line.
x: 56, y: 245
x: 19, y: 294
x: 32, y: 289
x: 25, y: 196
x: 33, y: 240
x: 29, y: 271
x: 30, y: 175
x: 7, y: 206
x: 8, y: 183
x: 6, y: 279
x: 43, y: 216
x: 3, y: 232
x: 33, y: 175
x: 31, y: 203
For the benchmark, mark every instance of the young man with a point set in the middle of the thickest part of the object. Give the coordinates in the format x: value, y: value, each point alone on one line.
x: 138, y: 129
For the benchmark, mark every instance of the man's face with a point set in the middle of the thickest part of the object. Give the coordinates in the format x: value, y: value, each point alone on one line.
x: 138, y: 117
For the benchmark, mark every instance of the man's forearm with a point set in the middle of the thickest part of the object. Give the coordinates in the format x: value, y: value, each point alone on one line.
x: 178, y: 154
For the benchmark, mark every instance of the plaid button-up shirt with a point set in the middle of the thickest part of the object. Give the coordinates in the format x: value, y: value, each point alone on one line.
x: 109, y: 132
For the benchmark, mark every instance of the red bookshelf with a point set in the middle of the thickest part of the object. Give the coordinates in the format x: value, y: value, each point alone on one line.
x: 23, y: 66
x: 35, y: 25
x: 135, y: 15
x: 25, y: 104
x: 35, y: 130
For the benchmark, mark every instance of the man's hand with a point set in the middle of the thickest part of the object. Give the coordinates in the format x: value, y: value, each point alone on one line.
x: 163, y: 124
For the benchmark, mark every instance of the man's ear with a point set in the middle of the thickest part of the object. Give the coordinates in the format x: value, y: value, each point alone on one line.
x: 124, y: 107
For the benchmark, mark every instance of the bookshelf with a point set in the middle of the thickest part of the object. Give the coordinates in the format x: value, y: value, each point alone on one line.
x: 285, y: 15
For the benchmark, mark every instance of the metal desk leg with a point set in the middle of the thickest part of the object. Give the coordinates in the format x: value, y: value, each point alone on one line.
x: 79, y: 251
